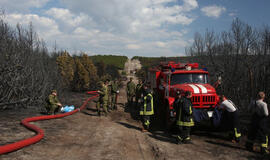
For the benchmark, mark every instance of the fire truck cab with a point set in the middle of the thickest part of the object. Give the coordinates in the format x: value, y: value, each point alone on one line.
x: 168, y: 78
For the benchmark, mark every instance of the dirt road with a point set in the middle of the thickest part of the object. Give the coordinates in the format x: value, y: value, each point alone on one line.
x: 84, y: 136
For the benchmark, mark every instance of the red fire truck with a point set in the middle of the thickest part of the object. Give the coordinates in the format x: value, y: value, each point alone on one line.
x: 170, y: 77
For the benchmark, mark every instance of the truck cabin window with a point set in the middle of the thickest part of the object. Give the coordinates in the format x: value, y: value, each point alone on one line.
x: 189, y: 78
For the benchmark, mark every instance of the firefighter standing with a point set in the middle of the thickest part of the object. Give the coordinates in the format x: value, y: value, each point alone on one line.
x: 184, y: 119
x: 147, y: 108
x: 52, y: 102
x: 130, y: 91
x: 114, y: 92
x: 232, y: 114
x: 109, y: 104
x: 103, y: 98
x: 139, y: 91
x: 258, y: 127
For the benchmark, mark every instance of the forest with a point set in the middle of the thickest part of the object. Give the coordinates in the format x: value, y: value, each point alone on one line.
x: 29, y: 71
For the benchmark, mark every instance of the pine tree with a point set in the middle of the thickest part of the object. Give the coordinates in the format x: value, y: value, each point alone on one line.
x: 81, y: 79
x: 91, y: 69
x: 66, y: 67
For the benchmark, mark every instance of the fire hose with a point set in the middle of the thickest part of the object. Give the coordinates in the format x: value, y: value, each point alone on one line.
x: 40, y: 133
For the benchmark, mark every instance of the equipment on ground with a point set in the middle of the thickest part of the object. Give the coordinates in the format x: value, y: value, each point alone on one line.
x: 67, y: 109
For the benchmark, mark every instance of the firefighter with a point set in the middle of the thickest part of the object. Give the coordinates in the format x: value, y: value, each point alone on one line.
x: 258, y: 127
x: 52, y: 103
x: 109, y: 105
x: 130, y: 91
x: 114, y: 92
x: 147, y: 108
x: 232, y: 115
x: 184, y: 119
x: 103, y: 98
x: 139, y: 91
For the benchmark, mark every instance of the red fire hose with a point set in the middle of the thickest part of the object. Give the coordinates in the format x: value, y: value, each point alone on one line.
x: 40, y: 133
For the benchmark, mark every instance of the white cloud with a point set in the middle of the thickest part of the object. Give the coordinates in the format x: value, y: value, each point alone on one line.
x: 133, y: 46
x: 134, y: 16
x: 45, y: 27
x: 190, y: 5
x: 213, y: 11
x: 160, y: 44
x: 232, y: 14
x: 139, y: 27
x: 21, y: 5
x: 65, y: 16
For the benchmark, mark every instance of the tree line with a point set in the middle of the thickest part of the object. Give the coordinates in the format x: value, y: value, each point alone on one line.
x: 80, y: 73
x: 241, y: 56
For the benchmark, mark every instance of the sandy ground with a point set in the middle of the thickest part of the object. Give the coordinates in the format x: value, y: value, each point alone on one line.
x: 118, y: 136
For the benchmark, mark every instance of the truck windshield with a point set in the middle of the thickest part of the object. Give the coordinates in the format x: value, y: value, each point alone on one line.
x: 188, y: 78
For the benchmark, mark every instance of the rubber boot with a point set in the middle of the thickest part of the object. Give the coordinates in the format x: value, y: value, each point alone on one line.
x: 235, y: 140
x: 179, y: 140
x: 264, y: 150
x: 187, y: 140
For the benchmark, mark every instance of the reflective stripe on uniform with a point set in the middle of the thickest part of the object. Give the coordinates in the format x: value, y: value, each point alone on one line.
x: 179, y: 138
x: 266, y: 142
x: 145, y: 105
x: 237, y: 135
x: 187, y: 124
x: 147, y: 123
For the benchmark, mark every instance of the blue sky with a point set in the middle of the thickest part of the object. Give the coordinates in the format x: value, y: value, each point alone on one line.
x: 131, y: 27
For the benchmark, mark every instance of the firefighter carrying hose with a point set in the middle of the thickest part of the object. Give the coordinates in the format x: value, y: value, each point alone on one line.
x: 184, y: 119
x: 52, y: 103
x: 232, y: 115
x: 258, y: 126
x: 147, y: 108
x: 103, y: 98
